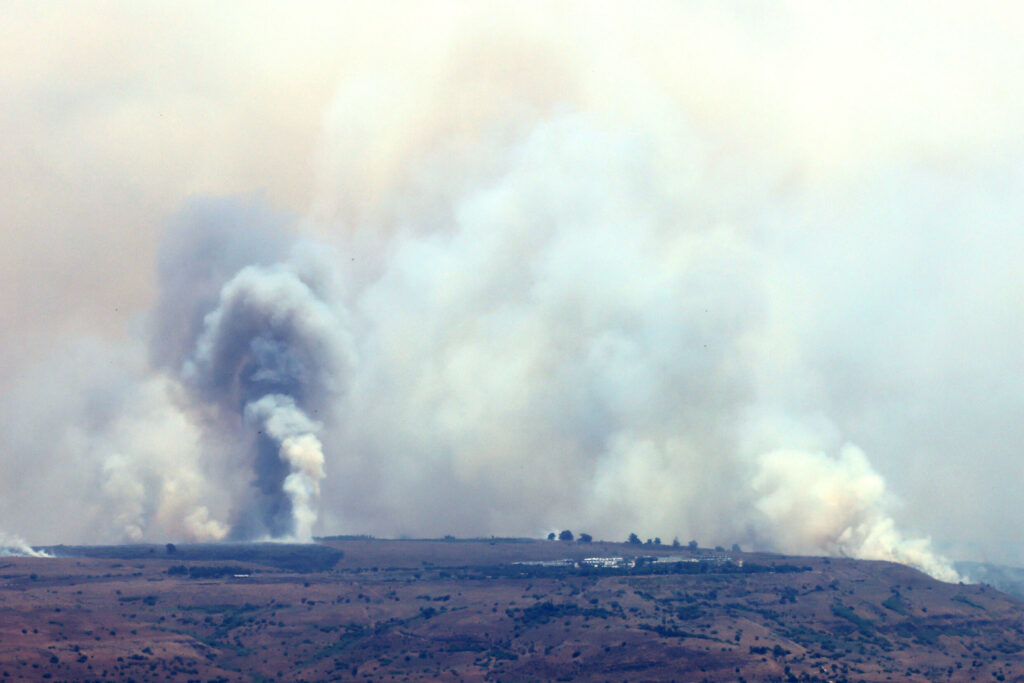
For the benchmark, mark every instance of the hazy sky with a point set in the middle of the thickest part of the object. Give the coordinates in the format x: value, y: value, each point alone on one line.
x: 739, y: 271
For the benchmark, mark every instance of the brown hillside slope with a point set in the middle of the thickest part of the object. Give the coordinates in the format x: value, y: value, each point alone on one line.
x: 450, y: 611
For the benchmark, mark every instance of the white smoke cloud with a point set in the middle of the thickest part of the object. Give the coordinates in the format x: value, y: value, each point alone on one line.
x: 593, y: 273
x: 15, y: 546
x: 279, y: 417
x: 586, y: 340
x: 590, y: 339
x: 814, y: 503
x: 105, y: 452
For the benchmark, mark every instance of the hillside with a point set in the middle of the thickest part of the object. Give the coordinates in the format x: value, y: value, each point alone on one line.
x: 365, y: 609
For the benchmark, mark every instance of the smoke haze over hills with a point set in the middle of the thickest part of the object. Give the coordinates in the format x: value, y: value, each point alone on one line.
x: 740, y: 273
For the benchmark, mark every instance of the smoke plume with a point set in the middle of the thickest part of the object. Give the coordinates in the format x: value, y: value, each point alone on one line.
x: 814, y: 503
x: 15, y: 546
x: 270, y: 353
x: 732, y: 273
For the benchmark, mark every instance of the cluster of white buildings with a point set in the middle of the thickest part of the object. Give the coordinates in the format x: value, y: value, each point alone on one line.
x: 631, y: 562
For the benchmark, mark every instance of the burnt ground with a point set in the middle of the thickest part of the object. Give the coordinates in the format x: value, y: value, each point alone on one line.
x: 463, y: 610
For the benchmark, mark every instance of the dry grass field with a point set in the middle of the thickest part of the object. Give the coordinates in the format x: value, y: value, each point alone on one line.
x: 364, y: 609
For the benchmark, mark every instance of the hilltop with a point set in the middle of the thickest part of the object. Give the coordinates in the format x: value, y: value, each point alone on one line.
x: 492, y: 609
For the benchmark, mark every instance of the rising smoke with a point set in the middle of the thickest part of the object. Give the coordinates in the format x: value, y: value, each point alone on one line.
x: 583, y: 341
x: 15, y: 546
x: 552, y: 279
x: 270, y: 353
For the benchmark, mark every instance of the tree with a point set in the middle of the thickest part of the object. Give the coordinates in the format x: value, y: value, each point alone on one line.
x: 675, y: 542
x: 565, y: 536
x: 634, y: 539
x: 657, y: 541
x: 692, y: 545
x: 171, y: 549
x: 551, y: 536
x: 736, y: 548
x: 585, y: 538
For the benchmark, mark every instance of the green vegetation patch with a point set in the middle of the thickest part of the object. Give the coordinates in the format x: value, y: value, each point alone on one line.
x: 499, y: 653
x: 353, y: 633
x: 865, y: 626
x: 895, y: 603
x: 960, y: 597
x: 206, y: 572
x: 808, y: 637
x: 150, y: 600
x: 220, y: 608
x: 543, y: 612
x: 295, y: 557
x: 919, y: 632
x: 689, y: 612
x: 669, y: 632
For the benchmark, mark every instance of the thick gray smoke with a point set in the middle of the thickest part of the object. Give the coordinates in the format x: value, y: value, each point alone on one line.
x: 734, y: 273
x: 577, y: 345
x: 269, y: 354
x: 582, y: 341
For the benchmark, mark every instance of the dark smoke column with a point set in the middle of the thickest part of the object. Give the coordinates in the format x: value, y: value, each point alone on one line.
x: 272, y: 353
